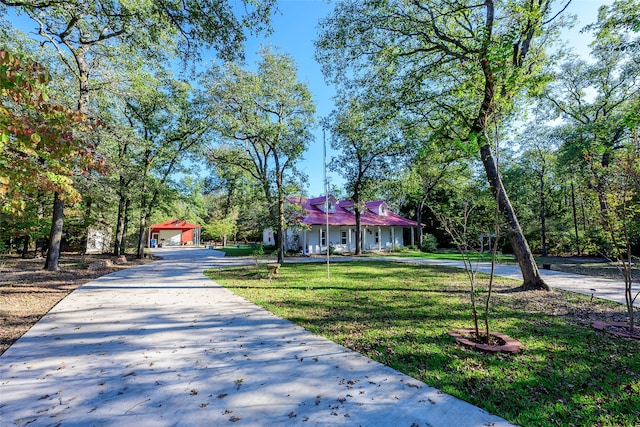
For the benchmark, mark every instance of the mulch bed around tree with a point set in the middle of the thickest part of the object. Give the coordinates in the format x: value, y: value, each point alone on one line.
x: 498, y: 342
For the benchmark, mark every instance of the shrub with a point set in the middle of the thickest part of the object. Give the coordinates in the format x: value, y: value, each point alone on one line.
x: 429, y: 243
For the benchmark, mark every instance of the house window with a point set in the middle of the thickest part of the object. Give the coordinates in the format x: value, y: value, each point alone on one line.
x: 382, y: 210
x: 343, y: 237
x: 323, y: 237
x: 377, y: 237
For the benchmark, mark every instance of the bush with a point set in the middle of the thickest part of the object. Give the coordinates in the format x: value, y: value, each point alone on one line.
x: 429, y: 243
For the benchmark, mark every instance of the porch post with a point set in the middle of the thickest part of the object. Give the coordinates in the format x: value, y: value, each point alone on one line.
x: 393, y: 237
x: 413, y: 236
x: 379, y: 238
x: 349, y: 241
x: 304, y: 243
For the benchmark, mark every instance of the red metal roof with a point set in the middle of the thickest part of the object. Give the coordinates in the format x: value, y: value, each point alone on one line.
x: 174, y: 224
x: 344, y: 217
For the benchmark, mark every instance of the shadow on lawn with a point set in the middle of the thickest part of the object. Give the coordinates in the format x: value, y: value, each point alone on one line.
x: 567, y: 374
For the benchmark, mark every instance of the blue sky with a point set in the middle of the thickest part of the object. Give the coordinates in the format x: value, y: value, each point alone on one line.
x: 295, y: 30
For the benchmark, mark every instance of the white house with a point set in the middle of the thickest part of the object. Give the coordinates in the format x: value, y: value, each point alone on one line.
x: 381, y: 228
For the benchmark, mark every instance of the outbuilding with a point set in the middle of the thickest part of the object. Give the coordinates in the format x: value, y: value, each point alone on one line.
x: 173, y: 233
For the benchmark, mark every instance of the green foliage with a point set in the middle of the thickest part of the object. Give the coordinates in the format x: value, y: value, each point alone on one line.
x: 408, y: 59
x: 366, y: 137
x: 40, y: 142
x: 155, y: 29
x: 220, y: 229
x: 429, y: 243
x: 262, y: 120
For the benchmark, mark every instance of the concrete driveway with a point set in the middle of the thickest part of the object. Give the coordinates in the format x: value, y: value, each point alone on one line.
x: 162, y: 345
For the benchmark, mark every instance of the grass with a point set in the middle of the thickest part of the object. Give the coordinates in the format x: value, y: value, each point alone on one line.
x: 451, y: 255
x: 398, y: 314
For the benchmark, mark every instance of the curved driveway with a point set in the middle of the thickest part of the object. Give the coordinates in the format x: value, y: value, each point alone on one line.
x: 162, y: 345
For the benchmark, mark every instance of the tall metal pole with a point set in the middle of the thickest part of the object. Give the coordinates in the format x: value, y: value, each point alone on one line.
x: 326, y: 200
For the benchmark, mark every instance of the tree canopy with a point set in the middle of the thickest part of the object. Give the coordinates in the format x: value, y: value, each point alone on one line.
x: 262, y: 122
x: 42, y: 144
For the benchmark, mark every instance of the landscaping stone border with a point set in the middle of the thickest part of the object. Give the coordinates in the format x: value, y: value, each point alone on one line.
x: 602, y: 326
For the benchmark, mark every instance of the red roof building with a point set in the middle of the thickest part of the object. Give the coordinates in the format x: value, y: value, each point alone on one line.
x: 381, y: 227
x: 173, y: 233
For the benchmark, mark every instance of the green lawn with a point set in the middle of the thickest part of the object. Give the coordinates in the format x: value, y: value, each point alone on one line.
x: 448, y: 254
x: 399, y: 314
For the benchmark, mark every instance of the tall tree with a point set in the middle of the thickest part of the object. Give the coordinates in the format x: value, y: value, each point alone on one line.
x: 41, y: 143
x: 168, y: 124
x: 86, y: 34
x: 367, y: 143
x: 430, y: 163
x: 263, y: 120
x: 538, y: 160
x: 457, y: 65
x: 595, y: 97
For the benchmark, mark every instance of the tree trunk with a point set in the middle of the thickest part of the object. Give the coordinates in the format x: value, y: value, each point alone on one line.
x: 25, y: 246
x: 125, y: 229
x: 281, y: 219
x: 118, y: 248
x: 55, y: 237
x: 527, y: 263
x: 358, y: 230
x: 141, y: 231
x: 543, y: 221
x: 419, y: 221
x: 575, y: 218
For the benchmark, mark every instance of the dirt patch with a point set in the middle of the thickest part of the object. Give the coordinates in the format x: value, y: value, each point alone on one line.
x: 27, y: 292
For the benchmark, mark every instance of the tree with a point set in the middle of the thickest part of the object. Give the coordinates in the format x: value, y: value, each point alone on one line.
x: 620, y: 220
x: 600, y: 101
x: 231, y: 188
x: 88, y: 34
x: 222, y: 228
x: 456, y: 65
x: 263, y: 121
x: 367, y: 143
x: 41, y: 143
x: 168, y: 124
x: 537, y: 161
x: 430, y: 164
